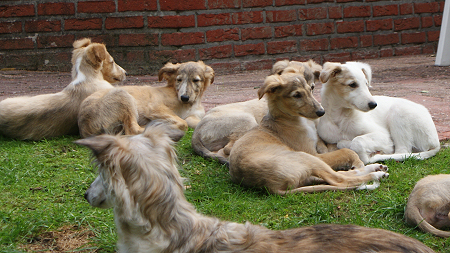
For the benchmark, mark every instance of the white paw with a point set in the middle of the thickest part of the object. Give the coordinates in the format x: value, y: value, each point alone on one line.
x: 375, y: 167
x: 372, y: 186
x: 379, y: 175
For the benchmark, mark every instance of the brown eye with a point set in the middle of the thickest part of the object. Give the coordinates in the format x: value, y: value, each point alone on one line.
x: 297, y: 95
x: 353, y: 85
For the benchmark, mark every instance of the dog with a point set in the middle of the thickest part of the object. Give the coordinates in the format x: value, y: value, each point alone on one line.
x: 139, y: 178
x: 280, y: 154
x: 429, y: 205
x: 52, y: 115
x: 378, y: 128
x: 216, y: 133
x: 129, y: 108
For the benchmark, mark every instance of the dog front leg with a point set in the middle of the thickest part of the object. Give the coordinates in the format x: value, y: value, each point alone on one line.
x: 165, y: 114
x: 192, y: 121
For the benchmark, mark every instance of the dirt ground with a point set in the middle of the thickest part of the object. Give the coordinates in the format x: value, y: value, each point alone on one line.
x: 412, y: 77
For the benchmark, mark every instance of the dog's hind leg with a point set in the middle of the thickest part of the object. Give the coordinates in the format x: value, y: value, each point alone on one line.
x: 342, y: 158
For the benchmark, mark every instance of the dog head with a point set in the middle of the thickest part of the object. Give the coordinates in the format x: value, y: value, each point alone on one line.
x: 291, y: 92
x: 351, y: 82
x: 286, y: 66
x: 90, y: 58
x: 190, y: 79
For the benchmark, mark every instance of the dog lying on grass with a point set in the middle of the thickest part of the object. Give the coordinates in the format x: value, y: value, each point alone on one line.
x: 281, y: 155
x: 129, y: 108
x: 139, y: 177
x: 429, y: 205
x: 52, y: 115
x: 377, y: 128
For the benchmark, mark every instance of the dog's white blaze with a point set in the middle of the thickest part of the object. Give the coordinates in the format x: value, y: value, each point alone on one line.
x: 183, y: 89
x: 80, y: 77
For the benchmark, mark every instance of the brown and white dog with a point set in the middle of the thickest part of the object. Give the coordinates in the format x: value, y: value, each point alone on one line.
x: 223, y: 125
x: 129, y: 108
x: 429, y: 205
x: 51, y: 115
x: 281, y: 154
x: 139, y: 178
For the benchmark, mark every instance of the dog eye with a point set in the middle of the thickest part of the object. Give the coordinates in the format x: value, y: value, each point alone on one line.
x: 179, y: 80
x: 297, y: 95
x: 353, y: 85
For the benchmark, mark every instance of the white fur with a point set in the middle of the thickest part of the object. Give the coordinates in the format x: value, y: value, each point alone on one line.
x: 80, y: 76
x: 395, y: 129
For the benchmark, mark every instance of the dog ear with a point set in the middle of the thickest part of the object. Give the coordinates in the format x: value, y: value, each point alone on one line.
x: 367, y: 72
x: 168, y: 70
x: 81, y: 43
x: 271, y: 84
x: 315, y: 68
x: 330, y: 69
x: 209, y: 74
x: 158, y: 128
x: 96, y: 54
x: 279, y: 66
x: 98, y: 144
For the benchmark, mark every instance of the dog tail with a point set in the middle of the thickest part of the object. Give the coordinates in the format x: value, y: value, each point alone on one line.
x: 414, y: 217
x: 401, y: 157
x: 201, y: 150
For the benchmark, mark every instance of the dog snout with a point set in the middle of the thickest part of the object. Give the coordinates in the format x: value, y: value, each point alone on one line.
x: 184, y: 98
x: 320, y: 113
x: 372, y: 105
x: 86, y: 196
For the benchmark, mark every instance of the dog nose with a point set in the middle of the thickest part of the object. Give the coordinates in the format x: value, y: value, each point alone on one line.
x: 372, y: 105
x: 85, y: 196
x: 184, y: 98
x: 320, y: 113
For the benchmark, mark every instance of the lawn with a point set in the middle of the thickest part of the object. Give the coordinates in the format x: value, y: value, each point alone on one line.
x: 42, y: 185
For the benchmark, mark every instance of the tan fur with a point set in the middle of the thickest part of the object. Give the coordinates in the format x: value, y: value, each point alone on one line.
x: 139, y: 177
x: 223, y: 125
x: 130, y: 108
x: 51, y: 115
x: 281, y: 153
x: 429, y: 205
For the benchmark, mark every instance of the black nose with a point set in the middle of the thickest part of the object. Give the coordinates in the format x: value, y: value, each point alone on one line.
x: 85, y: 196
x: 320, y: 113
x: 372, y: 105
x: 184, y: 98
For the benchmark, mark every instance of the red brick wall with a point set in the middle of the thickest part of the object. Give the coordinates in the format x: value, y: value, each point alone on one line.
x: 229, y: 35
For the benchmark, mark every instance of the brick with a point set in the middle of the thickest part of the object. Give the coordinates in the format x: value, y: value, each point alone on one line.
x: 441, y: 6
x: 226, y: 67
x: 335, y: 12
x: 426, y: 22
x: 251, y: 17
x: 438, y: 20
x: 171, y: 21
x: 406, y: 9
x: 180, y: 38
x: 10, y: 27
x: 413, y: 50
x: 124, y: 22
x: 218, y: 52
x: 356, y: 11
x: 108, y: 39
x: 314, y: 45
x: 249, y: 49
x: 429, y: 49
x: 364, y: 54
x: 96, y: 7
x: 281, y: 16
x: 224, y: 4
x: 281, y: 47
x: 42, y: 26
x: 256, y: 3
x: 406, y: 23
x: 415, y: 37
x: 179, y: 55
x: 222, y: 35
x: 319, y: 28
x: 136, y: 40
x: 177, y: 5
x: 55, y: 41
x: 317, y: 1
x: 257, y: 65
x: 386, y: 52
x: 16, y: 11
x: 379, y: 24
x: 386, y: 39
x: 433, y: 36
x: 83, y: 24
x: 431, y: 7
x: 289, y: 30
x: 366, y: 40
x: 304, y: 58
x: 312, y: 13
x: 385, y: 10
x: 337, y: 57
x: 345, y: 1
x: 289, y: 2
x: 135, y: 56
x: 45, y: 9
x: 346, y: 42
x: 7, y: 44
x: 256, y: 33
x: 137, y: 5
x: 350, y: 26
x: 213, y: 19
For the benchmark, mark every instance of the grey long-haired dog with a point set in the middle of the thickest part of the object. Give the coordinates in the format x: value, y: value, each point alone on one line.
x: 139, y: 177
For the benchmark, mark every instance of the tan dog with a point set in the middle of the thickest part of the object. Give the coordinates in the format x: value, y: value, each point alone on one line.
x: 223, y: 125
x: 129, y: 108
x: 281, y: 153
x: 139, y: 177
x: 51, y: 115
x: 429, y: 205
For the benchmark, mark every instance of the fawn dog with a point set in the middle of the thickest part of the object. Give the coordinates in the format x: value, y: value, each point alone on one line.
x: 51, y: 115
x: 139, y: 178
x: 377, y: 128
x: 429, y: 205
x: 129, y: 108
x: 223, y: 125
x: 281, y: 153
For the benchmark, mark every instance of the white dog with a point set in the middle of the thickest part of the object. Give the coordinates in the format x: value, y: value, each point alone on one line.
x: 376, y: 127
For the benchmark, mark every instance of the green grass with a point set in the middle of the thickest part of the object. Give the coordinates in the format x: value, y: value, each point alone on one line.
x: 42, y: 186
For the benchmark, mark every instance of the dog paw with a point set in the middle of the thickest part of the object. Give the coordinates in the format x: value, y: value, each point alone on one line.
x: 376, y: 167
x: 378, y: 175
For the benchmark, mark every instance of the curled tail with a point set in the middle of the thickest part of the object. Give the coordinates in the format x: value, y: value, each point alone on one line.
x: 403, y: 156
x: 414, y: 217
x: 201, y: 150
